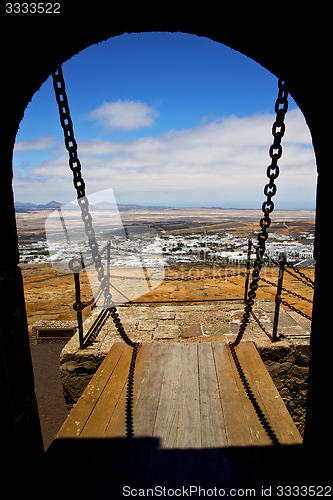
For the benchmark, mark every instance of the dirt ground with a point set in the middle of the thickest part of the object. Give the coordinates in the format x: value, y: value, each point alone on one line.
x: 53, y: 299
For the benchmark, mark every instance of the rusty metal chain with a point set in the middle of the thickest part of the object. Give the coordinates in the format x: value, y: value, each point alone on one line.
x: 300, y: 276
x: 293, y: 308
x: 215, y: 276
x: 290, y: 269
x: 109, y: 308
x: 75, y: 166
x: 194, y: 278
x: 275, y: 152
x: 259, y: 323
x: 129, y: 393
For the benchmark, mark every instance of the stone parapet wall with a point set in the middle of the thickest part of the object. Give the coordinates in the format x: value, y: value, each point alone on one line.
x: 289, y: 368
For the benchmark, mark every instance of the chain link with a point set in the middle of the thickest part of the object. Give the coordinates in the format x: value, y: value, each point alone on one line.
x: 297, y: 295
x: 290, y: 269
x: 301, y: 276
x: 270, y: 189
x: 189, y: 278
x: 293, y: 308
x: 75, y: 166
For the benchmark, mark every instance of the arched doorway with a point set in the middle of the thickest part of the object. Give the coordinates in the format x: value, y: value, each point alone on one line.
x: 36, y: 61
x: 168, y: 120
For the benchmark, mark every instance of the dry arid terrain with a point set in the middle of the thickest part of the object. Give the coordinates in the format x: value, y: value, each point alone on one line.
x: 52, y: 299
x: 31, y: 225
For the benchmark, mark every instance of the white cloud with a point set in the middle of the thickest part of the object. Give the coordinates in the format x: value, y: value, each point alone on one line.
x: 98, y: 147
x: 124, y: 115
x: 220, y: 163
x: 41, y: 189
x: 35, y: 145
x: 56, y: 168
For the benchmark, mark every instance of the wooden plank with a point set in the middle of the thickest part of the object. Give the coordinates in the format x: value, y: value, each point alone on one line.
x: 116, y: 427
x: 147, y: 399
x: 257, y: 435
x: 213, y: 432
x: 267, y: 395
x: 189, y: 431
x: 235, y: 422
x: 166, y: 423
x: 146, y: 402
x: 98, y: 420
x: 132, y: 453
x: 243, y: 427
x: 78, y: 416
x: 188, y: 457
x: 212, y: 420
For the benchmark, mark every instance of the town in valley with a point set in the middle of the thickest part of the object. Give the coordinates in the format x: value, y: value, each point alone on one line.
x: 169, y: 236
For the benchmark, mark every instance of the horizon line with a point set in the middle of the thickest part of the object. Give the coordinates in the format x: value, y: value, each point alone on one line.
x: 177, y: 207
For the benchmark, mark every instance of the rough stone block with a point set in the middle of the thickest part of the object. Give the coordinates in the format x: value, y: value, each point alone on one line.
x: 284, y: 367
x: 166, y: 331
x: 147, y: 325
x: 192, y: 330
x: 302, y: 354
x: 164, y: 315
x: 216, y: 329
x: 301, y: 372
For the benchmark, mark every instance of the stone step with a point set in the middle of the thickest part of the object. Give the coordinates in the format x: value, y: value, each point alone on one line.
x: 291, y: 324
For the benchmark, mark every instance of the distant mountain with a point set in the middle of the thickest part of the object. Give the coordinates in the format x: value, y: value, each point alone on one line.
x: 102, y: 205
x: 26, y: 207
x: 53, y: 204
x: 19, y: 204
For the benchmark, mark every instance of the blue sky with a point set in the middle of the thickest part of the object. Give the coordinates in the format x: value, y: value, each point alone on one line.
x: 164, y: 119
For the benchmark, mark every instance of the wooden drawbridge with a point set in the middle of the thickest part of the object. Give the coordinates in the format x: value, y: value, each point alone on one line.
x: 186, y: 395
x: 192, y: 418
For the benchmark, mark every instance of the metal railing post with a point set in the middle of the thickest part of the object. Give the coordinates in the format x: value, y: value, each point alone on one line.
x: 282, y: 263
x: 78, y: 308
x: 77, y: 265
x: 248, y: 266
x: 108, y: 258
